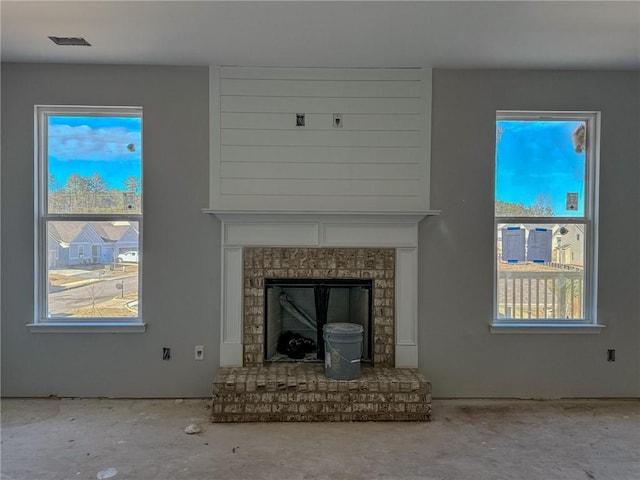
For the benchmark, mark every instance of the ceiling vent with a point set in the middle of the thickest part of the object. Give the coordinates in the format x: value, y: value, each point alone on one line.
x: 70, y: 41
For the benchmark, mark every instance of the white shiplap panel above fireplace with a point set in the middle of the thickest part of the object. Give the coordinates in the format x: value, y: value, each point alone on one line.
x: 377, y: 161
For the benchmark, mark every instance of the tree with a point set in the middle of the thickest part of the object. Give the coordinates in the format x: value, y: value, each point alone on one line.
x: 54, y: 186
x: 75, y: 184
x: 90, y: 194
x: 53, y: 183
x: 540, y: 208
x: 132, y: 184
x: 74, y: 194
x: 96, y: 186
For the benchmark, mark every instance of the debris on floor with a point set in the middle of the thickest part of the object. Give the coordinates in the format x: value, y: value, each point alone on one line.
x: 192, y: 428
x: 108, y: 473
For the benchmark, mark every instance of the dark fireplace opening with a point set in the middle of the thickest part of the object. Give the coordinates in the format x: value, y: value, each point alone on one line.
x: 296, y: 309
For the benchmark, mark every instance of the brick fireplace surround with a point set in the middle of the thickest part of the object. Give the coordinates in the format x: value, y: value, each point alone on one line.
x: 259, y: 245
x: 275, y: 262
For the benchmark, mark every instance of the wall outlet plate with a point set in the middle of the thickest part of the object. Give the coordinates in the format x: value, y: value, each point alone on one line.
x: 198, y: 352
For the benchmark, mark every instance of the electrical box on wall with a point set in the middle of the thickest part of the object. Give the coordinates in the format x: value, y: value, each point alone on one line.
x: 199, y: 352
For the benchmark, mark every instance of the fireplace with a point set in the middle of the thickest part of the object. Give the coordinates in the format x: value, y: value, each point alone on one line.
x: 302, y: 272
x: 308, y: 284
x: 296, y: 309
x: 376, y: 246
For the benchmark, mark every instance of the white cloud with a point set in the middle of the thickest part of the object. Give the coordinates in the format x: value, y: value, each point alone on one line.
x: 84, y: 143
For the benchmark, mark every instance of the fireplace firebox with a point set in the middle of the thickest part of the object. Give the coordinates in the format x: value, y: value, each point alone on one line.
x: 296, y: 309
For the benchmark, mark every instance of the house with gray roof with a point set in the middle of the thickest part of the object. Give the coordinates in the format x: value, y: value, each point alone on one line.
x: 86, y: 243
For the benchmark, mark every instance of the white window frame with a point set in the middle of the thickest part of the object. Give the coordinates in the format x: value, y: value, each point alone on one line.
x: 589, y: 323
x: 41, y: 322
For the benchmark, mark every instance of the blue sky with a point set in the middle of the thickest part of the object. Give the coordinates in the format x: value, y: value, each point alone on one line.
x: 536, y: 159
x: 110, y: 146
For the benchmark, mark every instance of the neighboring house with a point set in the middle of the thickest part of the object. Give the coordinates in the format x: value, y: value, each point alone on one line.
x: 118, y: 237
x: 568, y: 245
x: 77, y: 243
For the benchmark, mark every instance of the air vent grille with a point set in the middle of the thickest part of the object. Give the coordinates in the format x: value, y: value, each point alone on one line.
x: 70, y: 41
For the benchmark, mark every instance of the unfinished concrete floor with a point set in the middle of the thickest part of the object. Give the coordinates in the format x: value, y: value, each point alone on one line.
x: 144, y: 439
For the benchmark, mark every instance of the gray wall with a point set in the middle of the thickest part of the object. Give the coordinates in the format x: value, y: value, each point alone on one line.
x: 457, y: 352
x: 182, y: 264
x: 181, y: 244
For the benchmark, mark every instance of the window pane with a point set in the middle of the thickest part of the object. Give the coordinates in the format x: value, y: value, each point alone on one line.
x: 94, y: 164
x: 540, y: 271
x: 540, y: 168
x: 92, y: 269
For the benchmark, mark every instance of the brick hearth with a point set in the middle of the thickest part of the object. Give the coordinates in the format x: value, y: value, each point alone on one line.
x: 302, y: 393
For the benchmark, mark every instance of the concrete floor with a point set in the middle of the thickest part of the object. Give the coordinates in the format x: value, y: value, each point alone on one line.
x: 468, y: 439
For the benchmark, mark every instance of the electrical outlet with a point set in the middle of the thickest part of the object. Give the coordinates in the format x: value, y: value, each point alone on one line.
x: 199, y: 352
x: 166, y: 353
x: 611, y: 355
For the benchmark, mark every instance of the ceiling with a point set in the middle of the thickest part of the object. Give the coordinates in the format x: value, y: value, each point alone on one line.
x: 455, y: 34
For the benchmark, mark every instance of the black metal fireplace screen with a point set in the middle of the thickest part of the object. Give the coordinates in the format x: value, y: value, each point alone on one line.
x: 297, y: 309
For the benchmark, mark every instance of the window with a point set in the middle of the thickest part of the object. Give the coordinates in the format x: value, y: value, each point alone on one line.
x: 89, y: 216
x: 546, y: 170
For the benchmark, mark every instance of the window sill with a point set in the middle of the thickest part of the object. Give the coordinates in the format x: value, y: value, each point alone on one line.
x: 544, y: 328
x: 87, y: 327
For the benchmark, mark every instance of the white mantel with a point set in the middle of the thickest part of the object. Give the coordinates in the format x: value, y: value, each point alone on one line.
x: 397, y: 230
